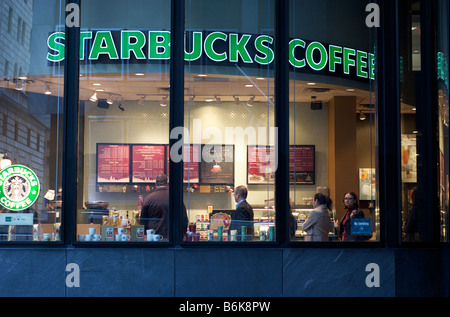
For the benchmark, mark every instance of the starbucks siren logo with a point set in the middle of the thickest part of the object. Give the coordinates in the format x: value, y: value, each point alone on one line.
x: 19, y: 187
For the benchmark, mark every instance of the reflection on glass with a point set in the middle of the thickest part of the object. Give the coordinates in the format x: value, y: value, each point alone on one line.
x: 410, y: 63
x: 229, y: 113
x: 30, y: 123
x: 332, y: 123
x: 443, y: 113
x: 124, y: 122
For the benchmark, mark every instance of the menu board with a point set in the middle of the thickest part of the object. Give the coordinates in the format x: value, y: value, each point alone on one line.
x: 147, y: 162
x: 217, y: 166
x: 261, y: 164
x: 113, y: 163
x: 302, y: 164
x: 191, y: 163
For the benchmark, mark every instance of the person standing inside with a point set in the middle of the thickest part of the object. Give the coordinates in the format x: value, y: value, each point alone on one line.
x: 317, y: 226
x: 155, y: 209
x: 243, y: 216
x: 351, y: 211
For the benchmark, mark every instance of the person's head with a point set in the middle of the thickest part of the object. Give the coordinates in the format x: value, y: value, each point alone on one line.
x: 240, y: 193
x: 350, y: 200
x: 161, y: 180
x: 322, y: 199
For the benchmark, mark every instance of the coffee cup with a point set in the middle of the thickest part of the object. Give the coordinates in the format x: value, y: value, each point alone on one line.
x: 88, y: 237
x: 121, y: 230
x: 91, y: 231
x: 47, y: 237
x: 157, y: 237
x: 81, y: 237
x: 117, y: 237
x: 125, y: 237
x: 126, y: 222
x: 149, y: 237
x: 97, y: 237
x: 150, y: 231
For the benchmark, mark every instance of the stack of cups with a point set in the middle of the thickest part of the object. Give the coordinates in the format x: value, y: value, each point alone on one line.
x: 90, y: 237
x: 122, y: 235
x: 153, y: 236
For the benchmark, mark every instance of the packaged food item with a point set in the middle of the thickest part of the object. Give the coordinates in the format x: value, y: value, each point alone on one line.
x: 36, y: 232
x: 56, y: 231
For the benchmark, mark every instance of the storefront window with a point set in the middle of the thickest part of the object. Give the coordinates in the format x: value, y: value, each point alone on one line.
x: 124, y: 121
x: 229, y: 113
x: 332, y: 122
x: 31, y: 91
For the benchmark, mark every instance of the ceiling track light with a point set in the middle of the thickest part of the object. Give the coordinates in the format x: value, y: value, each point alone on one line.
x: 19, y: 84
x: 47, y: 89
x: 362, y: 116
x: 250, y: 101
x: 163, y: 102
x: 110, y: 100
x: 93, y: 98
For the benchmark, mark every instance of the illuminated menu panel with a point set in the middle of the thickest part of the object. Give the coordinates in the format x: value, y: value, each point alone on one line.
x: 113, y: 163
x: 217, y: 166
x: 191, y: 163
x: 262, y: 163
x: 147, y: 162
x: 302, y: 164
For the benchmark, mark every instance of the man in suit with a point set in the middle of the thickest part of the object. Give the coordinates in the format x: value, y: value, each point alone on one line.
x: 243, y: 216
x: 155, y: 209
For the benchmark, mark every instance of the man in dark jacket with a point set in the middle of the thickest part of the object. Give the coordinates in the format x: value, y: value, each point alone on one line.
x: 155, y: 209
x: 243, y: 216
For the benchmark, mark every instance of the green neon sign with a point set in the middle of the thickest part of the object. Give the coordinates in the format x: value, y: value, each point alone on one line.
x: 220, y: 47
x: 19, y: 187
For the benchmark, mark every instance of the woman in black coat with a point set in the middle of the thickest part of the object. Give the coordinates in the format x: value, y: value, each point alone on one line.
x: 351, y: 211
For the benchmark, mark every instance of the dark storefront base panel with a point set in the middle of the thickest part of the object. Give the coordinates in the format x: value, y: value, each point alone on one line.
x: 224, y: 272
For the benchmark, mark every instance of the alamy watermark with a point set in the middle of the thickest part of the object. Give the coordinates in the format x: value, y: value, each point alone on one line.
x: 260, y: 137
x: 73, y: 278
x: 373, y: 278
x: 73, y: 17
x: 373, y: 18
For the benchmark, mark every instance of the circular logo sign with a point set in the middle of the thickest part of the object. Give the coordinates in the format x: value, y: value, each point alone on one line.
x: 19, y: 187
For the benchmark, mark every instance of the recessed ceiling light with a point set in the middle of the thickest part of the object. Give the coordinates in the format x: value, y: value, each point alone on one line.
x: 260, y: 78
x: 209, y: 100
x: 311, y: 84
x: 96, y: 84
x: 139, y: 74
x: 350, y: 89
x: 249, y: 85
x: 101, y: 89
x: 202, y: 75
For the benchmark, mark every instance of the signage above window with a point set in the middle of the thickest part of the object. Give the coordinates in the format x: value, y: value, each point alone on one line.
x: 226, y: 49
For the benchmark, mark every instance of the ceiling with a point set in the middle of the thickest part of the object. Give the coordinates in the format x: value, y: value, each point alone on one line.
x: 154, y: 86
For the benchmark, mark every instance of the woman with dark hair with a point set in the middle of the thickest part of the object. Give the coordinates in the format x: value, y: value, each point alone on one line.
x: 317, y: 226
x: 352, y: 211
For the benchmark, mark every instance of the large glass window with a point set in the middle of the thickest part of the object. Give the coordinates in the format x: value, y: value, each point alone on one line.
x: 332, y: 122
x: 31, y: 90
x: 442, y: 24
x: 124, y: 121
x: 229, y: 113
